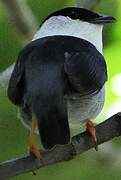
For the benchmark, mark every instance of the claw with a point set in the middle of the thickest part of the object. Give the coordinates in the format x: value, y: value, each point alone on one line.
x: 96, y: 146
x: 91, y: 129
x: 33, y: 150
x: 34, y: 173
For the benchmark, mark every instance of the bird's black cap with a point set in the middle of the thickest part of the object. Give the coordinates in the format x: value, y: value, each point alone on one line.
x: 83, y: 14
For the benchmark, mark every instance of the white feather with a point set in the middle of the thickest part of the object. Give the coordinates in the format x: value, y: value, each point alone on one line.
x: 81, y: 109
x: 61, y: 25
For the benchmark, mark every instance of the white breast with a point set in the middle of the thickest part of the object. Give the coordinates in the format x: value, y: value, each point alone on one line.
x: 86, y: 107
x: 60, y: 25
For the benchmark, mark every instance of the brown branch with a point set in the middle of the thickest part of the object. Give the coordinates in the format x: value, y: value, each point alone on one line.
x: 80, y: 143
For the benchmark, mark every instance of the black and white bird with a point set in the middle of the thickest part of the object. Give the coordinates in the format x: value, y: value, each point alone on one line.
x: 58, y: 81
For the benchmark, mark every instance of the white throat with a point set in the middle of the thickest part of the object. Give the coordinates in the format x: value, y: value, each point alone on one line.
x: 60, y: 25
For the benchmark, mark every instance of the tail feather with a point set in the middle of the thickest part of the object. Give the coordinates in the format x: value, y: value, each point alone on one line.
x: 52, y: 123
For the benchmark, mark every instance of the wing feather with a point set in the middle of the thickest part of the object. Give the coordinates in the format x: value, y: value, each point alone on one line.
x: 16, y: 83
x: 86, y: 68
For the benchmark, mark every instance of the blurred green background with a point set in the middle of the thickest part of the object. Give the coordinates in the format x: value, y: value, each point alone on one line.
x: 14, y: 137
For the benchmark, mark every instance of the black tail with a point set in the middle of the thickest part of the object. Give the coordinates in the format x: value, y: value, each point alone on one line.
x: 50, y: 109
x: 52, y: 121
x: 45, y: 87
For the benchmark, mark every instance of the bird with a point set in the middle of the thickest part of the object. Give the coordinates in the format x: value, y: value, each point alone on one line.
x: 59, y: 77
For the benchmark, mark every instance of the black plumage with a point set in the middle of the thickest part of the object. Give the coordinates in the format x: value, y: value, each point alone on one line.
x: 81, y: 14
x: 48, y: 69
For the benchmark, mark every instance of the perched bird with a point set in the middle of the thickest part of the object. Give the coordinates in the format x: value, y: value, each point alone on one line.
x: 59, y: 78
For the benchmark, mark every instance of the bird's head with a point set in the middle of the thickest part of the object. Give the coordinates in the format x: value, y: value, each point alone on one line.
x: 81, y: 14
x: 77, y: 22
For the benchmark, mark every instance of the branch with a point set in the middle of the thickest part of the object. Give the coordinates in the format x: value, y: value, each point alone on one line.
x: 5, y: 76
x: 80, y: 143
x: 22, y: 18
x: 88, y: 4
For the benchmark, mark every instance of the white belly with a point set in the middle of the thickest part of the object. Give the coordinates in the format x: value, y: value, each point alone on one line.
x: 86, y: 107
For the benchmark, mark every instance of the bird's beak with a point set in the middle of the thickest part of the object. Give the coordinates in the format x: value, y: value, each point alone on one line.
x: 103, y: 20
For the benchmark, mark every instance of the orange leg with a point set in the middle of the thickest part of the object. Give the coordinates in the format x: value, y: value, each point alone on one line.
x: 32, y: 147
x: 91, y: 129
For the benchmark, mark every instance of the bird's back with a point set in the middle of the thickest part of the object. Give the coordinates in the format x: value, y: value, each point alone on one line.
x: 47, y: 70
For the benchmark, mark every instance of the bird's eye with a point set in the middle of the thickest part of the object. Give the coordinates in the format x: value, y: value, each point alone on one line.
x: 74, y: 15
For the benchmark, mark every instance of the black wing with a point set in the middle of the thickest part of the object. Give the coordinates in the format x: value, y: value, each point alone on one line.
x: 86, y: 68
x: 16, y: 86
x: 16, y: 83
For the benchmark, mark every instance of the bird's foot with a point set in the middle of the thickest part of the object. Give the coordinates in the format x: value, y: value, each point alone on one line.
x: 91, y: 129
x: 34, y: 151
